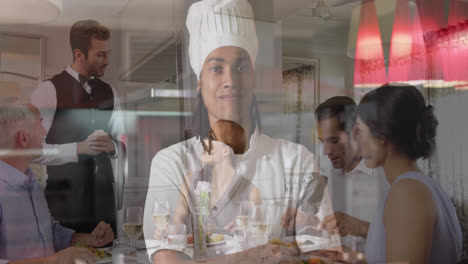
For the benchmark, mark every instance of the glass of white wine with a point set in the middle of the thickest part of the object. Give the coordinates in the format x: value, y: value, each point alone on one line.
x: 161, y: 216
x: 259, y: 224
x: 243, y: 216
x: 133, y: 224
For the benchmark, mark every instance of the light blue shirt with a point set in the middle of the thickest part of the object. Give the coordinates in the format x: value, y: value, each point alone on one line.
x: 27, y: 230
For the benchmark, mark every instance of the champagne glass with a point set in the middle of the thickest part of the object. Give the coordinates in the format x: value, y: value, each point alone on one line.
x: 259, y: 224
x: 177, y: 236
x: 133, y: 224
x: 242, y: 218
x: 161, y: 216
x: 241, y: 226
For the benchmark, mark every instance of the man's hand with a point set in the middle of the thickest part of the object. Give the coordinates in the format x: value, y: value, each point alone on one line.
x: 294, y: 217
x: 100, y: 141
x: 74, y: 255
x: 101, y: 235
x: 96, y: 143
x: 343, y: 224
x: 230, y: 226
x: 83, y: 148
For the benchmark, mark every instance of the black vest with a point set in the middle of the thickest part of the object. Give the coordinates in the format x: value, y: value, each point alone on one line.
x: 81, y: 194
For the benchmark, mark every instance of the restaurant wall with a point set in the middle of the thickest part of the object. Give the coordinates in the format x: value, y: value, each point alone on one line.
x: 333, y: 74
x: 58, y: 53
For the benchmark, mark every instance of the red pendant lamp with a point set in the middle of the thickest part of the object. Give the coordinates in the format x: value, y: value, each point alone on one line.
x: 419, y: 70
x: 432, y: 21
x: 369, y: 65
x: 457, y: 70
x: 401, y: 43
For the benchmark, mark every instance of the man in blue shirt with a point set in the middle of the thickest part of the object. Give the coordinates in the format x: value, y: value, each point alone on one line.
x: 28, y: 233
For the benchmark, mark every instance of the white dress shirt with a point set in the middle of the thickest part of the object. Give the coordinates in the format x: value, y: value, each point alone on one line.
x: 45, y: 99
x: 357, y: 194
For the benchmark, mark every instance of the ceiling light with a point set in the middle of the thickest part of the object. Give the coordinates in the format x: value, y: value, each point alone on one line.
x: 385, y: 10
x: 458, y: 45
x: 369, y: 65
x: 29, y: 11
x: 401, y: 43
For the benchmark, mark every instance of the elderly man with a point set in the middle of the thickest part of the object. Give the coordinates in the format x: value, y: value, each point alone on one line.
x: 28, y: 233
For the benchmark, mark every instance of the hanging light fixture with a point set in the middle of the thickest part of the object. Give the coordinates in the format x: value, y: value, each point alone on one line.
x: 369, y: 65
x: 432, y: 21
x: 401, y: 43
x: 456, y: 74
x: 418, y: 71
x: 29, y: 11
x: 385, y: 10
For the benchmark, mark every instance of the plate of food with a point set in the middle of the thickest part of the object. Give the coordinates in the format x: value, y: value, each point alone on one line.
x: 104, y: 254
x: 308, y: 243
x: 212, y: 239
x: 279, y: 242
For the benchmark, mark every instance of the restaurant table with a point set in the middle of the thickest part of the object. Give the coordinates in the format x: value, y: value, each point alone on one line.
x: 229, y: 246
x: 127, y: 255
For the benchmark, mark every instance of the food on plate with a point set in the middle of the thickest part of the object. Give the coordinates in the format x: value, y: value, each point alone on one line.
x: 210, y: 238
x: 277, y: 241
x: 190, y: 239
x: 215, y: 238
x: 100, y: 253
x: 305, y: 243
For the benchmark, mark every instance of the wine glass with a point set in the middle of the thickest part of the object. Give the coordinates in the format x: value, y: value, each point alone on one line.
x: 177, y: 236
x: 161, y: 215
x: 133, y: 224
x: 241, y: 226
x: 242, y: 218
x: 259, y: 224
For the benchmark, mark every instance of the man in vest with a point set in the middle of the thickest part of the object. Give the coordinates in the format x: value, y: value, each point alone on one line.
x: 82, y: 121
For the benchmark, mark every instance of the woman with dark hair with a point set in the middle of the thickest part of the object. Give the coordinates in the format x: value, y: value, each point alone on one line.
x: 416, y: 222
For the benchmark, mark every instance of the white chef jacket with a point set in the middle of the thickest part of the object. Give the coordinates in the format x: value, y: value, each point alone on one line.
x: 44, y: 98
x: 269, y: 163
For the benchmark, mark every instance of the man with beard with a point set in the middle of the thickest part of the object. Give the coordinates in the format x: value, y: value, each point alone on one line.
x: 81, y: 117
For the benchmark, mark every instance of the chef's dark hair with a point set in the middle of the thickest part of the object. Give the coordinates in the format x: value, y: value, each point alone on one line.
x: 201, y: 123
x: 341, y: 107
x: 398, y: 113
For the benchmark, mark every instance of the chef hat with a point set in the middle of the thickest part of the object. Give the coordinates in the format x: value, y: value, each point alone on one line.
x: 218, y: 23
